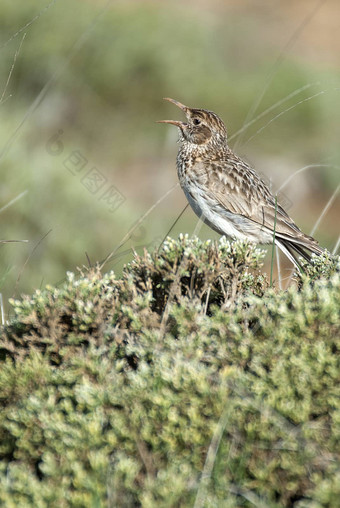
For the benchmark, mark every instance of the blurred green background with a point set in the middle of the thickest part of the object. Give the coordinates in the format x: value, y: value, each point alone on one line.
x: 86, y: 84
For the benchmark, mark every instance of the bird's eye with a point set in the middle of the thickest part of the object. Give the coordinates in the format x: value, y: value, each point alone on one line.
x: 196, y: 121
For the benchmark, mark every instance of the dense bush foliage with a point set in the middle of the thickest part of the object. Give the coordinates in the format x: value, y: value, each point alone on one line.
x: 186, y: 382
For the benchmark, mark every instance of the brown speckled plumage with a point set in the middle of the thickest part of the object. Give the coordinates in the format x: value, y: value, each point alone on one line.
x: 226, y: 193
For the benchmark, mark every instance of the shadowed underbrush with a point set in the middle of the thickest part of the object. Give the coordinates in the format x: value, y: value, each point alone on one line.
x: 187, y: 380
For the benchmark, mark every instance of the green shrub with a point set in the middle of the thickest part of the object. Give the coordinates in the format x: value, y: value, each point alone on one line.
x: 186, y: 382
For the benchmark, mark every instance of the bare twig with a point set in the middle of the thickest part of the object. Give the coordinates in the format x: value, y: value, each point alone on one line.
x: 301, y: 170
x: 43, y: 92
x: 29, y: 23
x: 280, y: 59
x: 173, y: 225
x: 28, y: 258
x: 271, y: 108
x: 273, y: 244
x: 207, y: 300
x: 2, y: 99
x: 13, y: 241
x: 325, y: 210
x: 211, y: 456
x: 137, y: 224
x: 335, y: 250
x: 278, y: 264
x: 284, y: 112
x: 14, y: 200
x: 249, y: 496
x: 2, y: 310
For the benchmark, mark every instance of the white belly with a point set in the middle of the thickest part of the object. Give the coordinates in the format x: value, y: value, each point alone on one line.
x: 224, y: 222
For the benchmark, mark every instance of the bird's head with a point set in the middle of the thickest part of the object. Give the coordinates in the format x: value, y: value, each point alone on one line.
x: 202, y: 127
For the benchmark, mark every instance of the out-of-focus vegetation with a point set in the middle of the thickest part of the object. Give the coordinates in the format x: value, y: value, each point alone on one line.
x: 186, y: 382
x: 98, y: 75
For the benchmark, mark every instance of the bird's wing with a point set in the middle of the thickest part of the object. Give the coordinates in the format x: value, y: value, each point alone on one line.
x: 240, y: 190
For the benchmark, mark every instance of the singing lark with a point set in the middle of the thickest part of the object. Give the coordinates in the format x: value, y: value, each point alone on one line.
x: 226, y: 193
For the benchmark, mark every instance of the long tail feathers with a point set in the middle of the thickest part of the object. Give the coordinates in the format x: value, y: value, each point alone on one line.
x: 294, y: 250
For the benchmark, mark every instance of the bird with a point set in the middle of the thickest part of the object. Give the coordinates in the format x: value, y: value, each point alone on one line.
x: 227, y: 194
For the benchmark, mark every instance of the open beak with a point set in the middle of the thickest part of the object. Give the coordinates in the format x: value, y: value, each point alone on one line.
x: 173, y: 122
x: 179, y: 105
